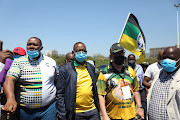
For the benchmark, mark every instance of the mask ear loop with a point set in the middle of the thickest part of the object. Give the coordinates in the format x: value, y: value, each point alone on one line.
x: 177, y: 62
x: 40, y: 48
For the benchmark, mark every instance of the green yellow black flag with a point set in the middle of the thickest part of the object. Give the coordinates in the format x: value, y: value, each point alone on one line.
x: 132, y: 37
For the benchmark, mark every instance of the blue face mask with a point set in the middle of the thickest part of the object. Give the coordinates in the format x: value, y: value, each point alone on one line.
x: 80, y: 56
x: 32, y: 54
x: 169, y: 65
x: 16, y: 56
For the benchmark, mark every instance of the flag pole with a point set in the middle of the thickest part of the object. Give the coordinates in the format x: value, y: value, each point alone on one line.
x: 124, y: 27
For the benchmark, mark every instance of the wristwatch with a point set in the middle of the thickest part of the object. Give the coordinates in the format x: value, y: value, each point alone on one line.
x: 139, y: 106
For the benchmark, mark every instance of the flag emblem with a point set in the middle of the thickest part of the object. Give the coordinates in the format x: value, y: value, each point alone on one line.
x: 132, y: 37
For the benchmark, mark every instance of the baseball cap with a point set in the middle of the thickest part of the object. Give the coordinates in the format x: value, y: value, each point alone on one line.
x: 116, y: 47
x: 19, y: 50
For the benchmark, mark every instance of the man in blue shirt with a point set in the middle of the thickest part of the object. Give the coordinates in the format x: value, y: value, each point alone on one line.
x: 140, y: 76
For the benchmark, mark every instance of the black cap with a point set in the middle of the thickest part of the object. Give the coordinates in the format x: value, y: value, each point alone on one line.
x: 116, y: 47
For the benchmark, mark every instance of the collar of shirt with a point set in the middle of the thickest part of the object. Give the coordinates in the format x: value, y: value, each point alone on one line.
x: 77, y: 64
x: 41, y: 58
x: 112, y: 69
x: 138, y: 69
x: 164, y: 76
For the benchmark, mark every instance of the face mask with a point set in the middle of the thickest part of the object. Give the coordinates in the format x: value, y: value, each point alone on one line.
x: 80, y: 56
x: 131, y: 63
x: 119, y: 60
x: 16, y: 56
x: 32, y: 54
x: 169, y: 65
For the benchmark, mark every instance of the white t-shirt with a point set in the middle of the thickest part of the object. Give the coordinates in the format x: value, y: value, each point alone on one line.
x: 152, y: 70
x: 1, y: 66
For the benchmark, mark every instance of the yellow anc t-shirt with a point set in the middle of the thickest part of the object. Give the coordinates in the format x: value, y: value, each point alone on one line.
x: 109, y: 85
x: 84, y: 94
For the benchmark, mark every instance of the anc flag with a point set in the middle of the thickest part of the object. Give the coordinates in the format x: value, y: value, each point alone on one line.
x: 132, y: 37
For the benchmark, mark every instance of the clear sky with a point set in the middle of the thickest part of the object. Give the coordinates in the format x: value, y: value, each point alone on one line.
x: 97, y: 23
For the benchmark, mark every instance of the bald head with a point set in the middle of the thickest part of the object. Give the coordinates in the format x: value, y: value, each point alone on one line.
x: 160, y: 55
x: 171, y: 53
x: 69, y: 57
x: 170, y: 62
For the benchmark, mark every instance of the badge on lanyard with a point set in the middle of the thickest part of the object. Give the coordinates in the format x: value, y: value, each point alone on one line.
x: 126, y: 92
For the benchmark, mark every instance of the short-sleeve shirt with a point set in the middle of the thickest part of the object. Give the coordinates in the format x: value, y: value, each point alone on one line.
x: 140, y: 75
x: 34, y: 81
x: 84, y: 93
x: 152, y: 70
x: 109, y: 84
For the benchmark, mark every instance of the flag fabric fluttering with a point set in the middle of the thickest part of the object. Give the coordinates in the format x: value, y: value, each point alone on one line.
x: 132, y: 37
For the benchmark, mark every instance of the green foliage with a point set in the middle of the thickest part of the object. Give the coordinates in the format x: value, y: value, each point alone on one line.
x: 99, y: 59
x: 60, y: 60
x: 150, y: 60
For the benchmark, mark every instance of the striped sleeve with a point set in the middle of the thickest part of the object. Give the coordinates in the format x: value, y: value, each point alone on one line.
x: 14, y: 70
x: 101, y: 84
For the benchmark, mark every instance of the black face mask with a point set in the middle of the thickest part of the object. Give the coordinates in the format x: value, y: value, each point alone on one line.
x: 131, y: 63
x: 119, y: 60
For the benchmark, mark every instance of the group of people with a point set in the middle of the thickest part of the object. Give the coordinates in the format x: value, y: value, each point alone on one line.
x: 123, y: 90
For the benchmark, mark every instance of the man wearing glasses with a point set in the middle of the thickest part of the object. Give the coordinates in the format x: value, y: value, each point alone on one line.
x: 77, y: 97
x: 118, y: 87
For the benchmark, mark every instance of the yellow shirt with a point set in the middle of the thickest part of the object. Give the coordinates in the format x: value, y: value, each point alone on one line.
x: 109, y: 85
x: 84, y: 94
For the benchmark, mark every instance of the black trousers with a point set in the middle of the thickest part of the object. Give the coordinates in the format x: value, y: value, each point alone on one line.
x: 90, y: 115
x: 122, y: 119
x: 143, y: 101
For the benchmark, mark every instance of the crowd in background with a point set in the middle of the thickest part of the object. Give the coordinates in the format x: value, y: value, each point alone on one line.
x: 33, y: 87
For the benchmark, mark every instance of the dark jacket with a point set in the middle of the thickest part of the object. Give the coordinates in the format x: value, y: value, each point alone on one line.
x: 66, y: 90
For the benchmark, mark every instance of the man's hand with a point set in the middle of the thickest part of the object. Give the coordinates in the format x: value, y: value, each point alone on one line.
x: 106, y: 117
x: 140, y: 112
x: 4, y: 54
x: 10, y: 106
